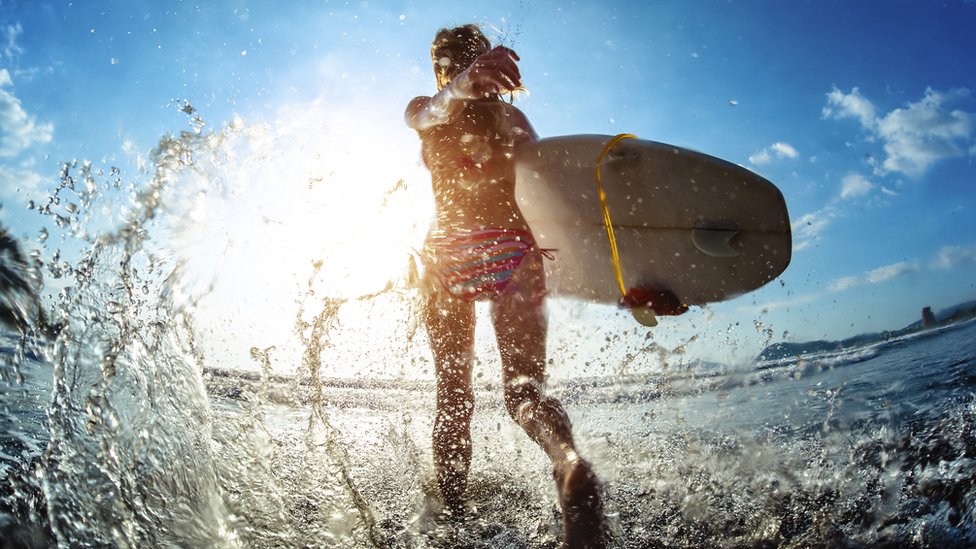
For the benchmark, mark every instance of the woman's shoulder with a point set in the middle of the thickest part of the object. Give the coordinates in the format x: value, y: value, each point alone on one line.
x: 414, y: 108
x: 519, y: 120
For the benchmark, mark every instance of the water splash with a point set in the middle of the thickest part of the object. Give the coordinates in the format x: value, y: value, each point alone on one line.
x: 128, y: 402
x: 136, y: 455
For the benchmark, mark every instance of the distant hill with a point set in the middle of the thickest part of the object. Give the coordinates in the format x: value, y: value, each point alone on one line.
x: 950, y: 315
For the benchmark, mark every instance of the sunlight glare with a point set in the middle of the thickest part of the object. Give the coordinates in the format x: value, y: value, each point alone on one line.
x: 327, y: 201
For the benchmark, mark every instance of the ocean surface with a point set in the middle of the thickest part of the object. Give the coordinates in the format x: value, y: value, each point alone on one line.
x: 118, y: 428
x: 865, y: 447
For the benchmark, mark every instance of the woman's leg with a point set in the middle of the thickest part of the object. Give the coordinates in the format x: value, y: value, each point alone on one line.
x: 521, y: 327
x: 450, y: 328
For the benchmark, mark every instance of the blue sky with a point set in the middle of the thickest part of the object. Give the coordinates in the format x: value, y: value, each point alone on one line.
x: 863, y: 113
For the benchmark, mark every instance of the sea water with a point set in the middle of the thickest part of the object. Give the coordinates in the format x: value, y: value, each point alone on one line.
x: 121, y: 426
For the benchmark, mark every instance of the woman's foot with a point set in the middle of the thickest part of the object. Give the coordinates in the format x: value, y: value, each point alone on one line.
x: 582, y: 505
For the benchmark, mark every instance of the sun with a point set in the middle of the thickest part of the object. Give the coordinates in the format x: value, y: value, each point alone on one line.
x: 322, y: 201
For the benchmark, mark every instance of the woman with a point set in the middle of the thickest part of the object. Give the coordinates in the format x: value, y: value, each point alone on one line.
x: 480, y: 247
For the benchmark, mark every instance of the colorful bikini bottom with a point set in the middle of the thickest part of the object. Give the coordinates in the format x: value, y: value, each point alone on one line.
x: 474, y: 265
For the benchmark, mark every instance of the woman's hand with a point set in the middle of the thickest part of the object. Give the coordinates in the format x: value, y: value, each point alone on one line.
x: 493, y: 72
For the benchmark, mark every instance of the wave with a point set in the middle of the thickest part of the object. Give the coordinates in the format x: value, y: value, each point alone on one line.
x: 849, y: 350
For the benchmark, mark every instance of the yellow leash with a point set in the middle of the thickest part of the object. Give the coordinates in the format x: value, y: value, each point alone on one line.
x: 614, y: 254
x: 643, y: 302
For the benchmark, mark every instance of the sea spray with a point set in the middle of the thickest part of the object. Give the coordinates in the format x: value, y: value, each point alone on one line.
x: 323, y: 440
x: 129, y: 460
x: 137, y: 455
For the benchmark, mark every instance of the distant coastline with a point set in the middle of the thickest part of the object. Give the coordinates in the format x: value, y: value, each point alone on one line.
x: 950, y: 315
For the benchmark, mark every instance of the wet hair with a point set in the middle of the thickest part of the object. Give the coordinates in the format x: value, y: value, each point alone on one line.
x: 453, y: 50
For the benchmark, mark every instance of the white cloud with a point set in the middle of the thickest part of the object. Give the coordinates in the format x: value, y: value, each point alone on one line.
x: 785, y: 150
x: 924, y: 133
x: 914, y: 137
x: 20, y: 184
x: 18, y: 130
x: 845, y: 283
x: 853, y: 105
x: 770, y: 306
x: 811, y: 224
x: 808, y: 228
x: 761, y: 158
x: 778, y: 149
x: 854, y: 185
x: 946, y: 258
x: 875, y: 276
x: 888, y: 272
x: 9, y: 48
x: 952, y: 256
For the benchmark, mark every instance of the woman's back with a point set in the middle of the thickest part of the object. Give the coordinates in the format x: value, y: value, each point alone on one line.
x: 471, y: 161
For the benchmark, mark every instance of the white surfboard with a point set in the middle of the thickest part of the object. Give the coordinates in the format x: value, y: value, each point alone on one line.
x: 703, y: 228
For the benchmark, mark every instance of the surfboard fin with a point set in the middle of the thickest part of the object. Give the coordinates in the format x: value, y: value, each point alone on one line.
x: 644, y: 316
x: 715, y: 242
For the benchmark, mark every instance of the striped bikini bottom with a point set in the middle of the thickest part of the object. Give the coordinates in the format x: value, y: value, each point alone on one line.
x: 474, y: 265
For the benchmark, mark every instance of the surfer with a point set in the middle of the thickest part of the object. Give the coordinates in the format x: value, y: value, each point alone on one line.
x: 480, y: 247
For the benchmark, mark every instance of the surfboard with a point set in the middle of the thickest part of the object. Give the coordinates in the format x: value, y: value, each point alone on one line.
x: 700, y: 227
